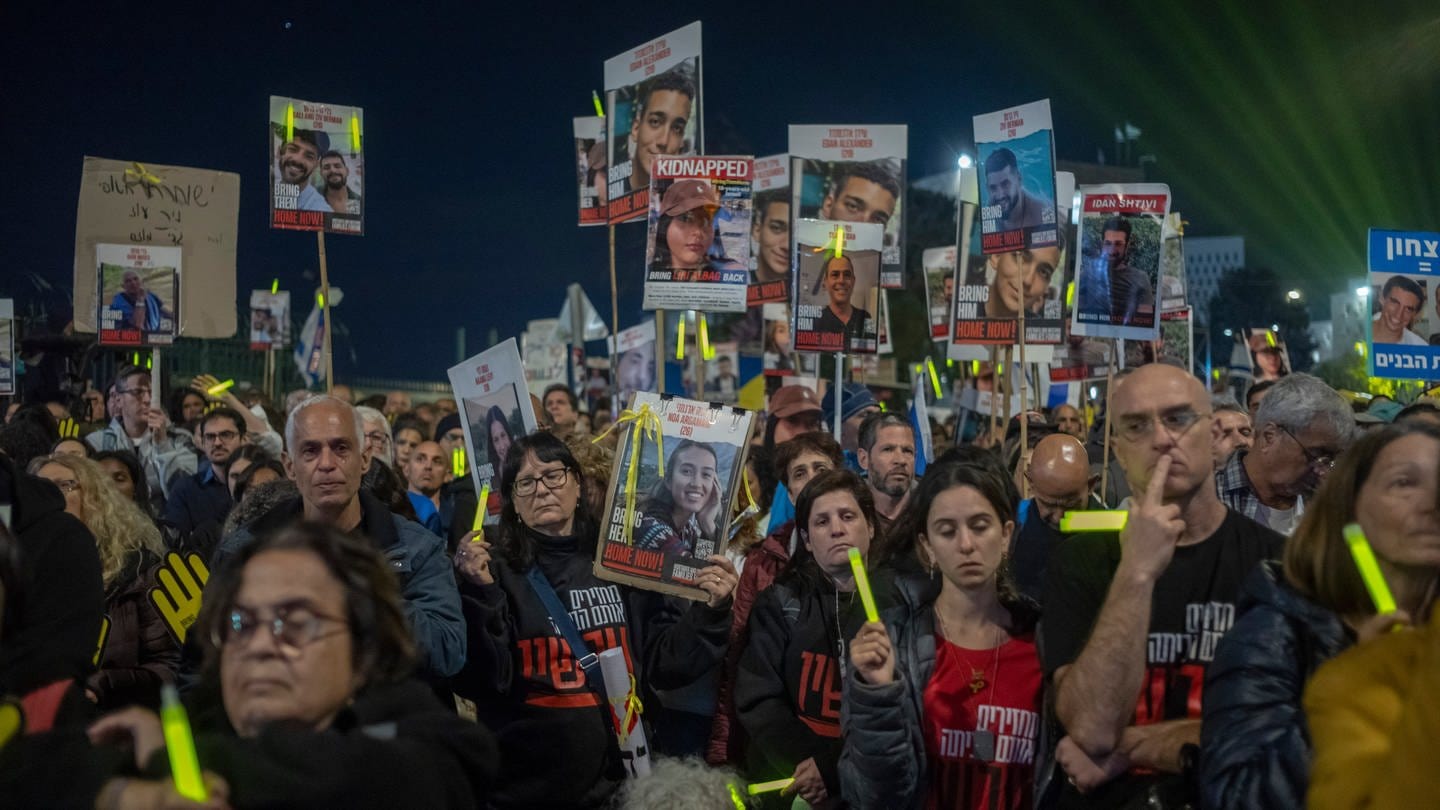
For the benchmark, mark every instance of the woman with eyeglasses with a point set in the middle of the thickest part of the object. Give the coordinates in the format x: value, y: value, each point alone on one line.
x: 553, y: 721
x: 137, y: 653
x: 309, y: 647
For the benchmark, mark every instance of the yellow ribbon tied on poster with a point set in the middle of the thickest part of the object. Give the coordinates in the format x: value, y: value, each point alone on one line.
x: 647, y: 422
x: 138, y: 174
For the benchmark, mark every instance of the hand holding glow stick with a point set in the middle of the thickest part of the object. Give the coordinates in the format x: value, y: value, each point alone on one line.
x: 1103, y: 520
x: 220, y: 388
x: 1369, y: 569
x: 862, y: 584
x: 478, y: 525
x: 770, y: 787
x: 180, y: 745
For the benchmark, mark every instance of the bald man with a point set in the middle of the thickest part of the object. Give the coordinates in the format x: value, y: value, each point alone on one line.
x: 1060, y: 482
x: 1133, y: 618
x: 425, y: 472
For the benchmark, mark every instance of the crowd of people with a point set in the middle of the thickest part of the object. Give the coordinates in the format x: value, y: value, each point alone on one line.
x: 309, y: 575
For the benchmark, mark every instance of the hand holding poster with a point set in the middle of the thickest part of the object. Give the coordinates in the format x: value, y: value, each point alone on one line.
x: 1117, y: 267
x: 137, y: 293
x: 635, y: 362
x: 317, y: 168
x: 1017, y: 173
x: 269, y: 320
x: 847, y: 173
x: 836, y: 296
x: 1403, y: 269
x: 495, y: 410
x: 590, y: 162
x: 653, y: 95
x: 698, y: 251
x: 770, y: 232
x: 682, y: 516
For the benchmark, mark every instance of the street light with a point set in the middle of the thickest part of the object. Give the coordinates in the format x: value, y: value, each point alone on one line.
x: 1362, y: 292
x: 964, y: 161
x: 1293, y: 295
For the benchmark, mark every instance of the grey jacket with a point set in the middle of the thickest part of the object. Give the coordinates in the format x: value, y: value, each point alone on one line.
x: 418, y: 558
x: 164, y: 463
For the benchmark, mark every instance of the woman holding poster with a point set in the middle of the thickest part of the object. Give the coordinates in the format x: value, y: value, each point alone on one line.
x: 549, y: 713
x: 683, y: 506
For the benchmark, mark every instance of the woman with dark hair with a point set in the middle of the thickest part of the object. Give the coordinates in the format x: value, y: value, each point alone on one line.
x: 786, y: 690
x: 497, y: 430
x: 529, y: 683
x: 684, y: 230
x: 262, y: 471
x: 309, y: 648
x: 682, y: 509
x: 123, y: 469
x: 1294, y: 616
x: 777, y: 346
x: 186, y: 407
x: 943, y: 703
x: 241, y: 461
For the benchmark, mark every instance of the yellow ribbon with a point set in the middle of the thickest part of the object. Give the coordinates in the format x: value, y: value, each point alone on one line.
x: 633, y: 707
x: 648, y: 423
x: 137, y: 173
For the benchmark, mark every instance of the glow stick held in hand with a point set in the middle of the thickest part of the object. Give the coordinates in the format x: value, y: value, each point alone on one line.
x: 1369, y: 569
x: 770, y: 787
x: 480, y: 508
x: 862, y: 584
x: 180, y: 745
x: 220, y: 388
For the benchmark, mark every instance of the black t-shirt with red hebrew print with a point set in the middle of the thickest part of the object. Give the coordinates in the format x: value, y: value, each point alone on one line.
x: 1192, y: 608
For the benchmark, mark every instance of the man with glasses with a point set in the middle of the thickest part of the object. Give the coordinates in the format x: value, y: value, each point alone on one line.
x: 1300, y: 427
x: 1132, y: 617
x: 1060, y: 481
x: 205, y: 496
x: 167, y: 454
x: 326, y: 457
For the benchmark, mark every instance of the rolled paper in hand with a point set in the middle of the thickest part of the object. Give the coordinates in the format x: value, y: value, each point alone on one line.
x: 625, y: 709
x: 180, y: 745
x: 1369, y: 568
x: 1108, y: 520
x: 769, y: 787
x: 220, y: 388
x: 862, y: 584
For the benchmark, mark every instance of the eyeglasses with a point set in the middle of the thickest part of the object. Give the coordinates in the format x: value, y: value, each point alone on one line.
x: 1176, y: 423
x: 222, y: 436
x: 554, y: 479
x: 292, y: 628
x: 377, y: 437
x: 140, y: 393
x: 1321, y: 459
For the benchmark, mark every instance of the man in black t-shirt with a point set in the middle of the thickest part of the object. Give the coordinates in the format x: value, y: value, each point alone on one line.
x: 1131, y: 621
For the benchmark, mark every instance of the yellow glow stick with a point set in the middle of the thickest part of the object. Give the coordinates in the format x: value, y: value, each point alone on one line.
x: 320, y: 299
x: 1112, y: 520
x: 680, y: 339
x: 1270, y: 338
x: 595, y: 97
x: 934, y: 376
x: 289, y: 122
x: 220, y: 388
x: 840, y: 241
x: 769, y: 787
x: 1369, y: 569
x: 354, y: 133
x: 735, y: 797
x: 457, y: 461
x: 703, y: 332
x: 274, y: 285
x: 862, y: 584
x: 180, y: 745
x: 478, y: 525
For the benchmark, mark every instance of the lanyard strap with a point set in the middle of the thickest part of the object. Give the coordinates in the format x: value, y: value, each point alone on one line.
x: 561, y: 621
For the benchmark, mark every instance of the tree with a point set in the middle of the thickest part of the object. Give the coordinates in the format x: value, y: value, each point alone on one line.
x: 1251, y: 297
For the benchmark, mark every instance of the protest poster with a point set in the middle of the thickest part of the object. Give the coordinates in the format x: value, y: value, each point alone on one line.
x: 1117, y: 266
x: 546, y: 357
x: 194, y: 210
x: 847, y: 173
x: 590, y: 162
x: 678, y: 519
x: 836, y: 296
x: 770, y: 232
x: 634, y: 363
x: 1259, y: 354
x: 1174, y: 345
x: 778, y: 359
x: 652, y: 92
x: 993, y: 288
x: 495, y: 410
x: 137, y: 289
x: 1080, y: 358
x: 883, y: 344
x: 1172, y: 264
x: 939, y: 264
x: 1017, y: 172
x: 7, y: 346
x: 317, y: 166
x: 697, y: 253
x: 722, y: 380
x: 1403, y: 267
x: 269, y: 320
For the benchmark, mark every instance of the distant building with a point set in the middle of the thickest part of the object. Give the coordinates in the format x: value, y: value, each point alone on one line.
x: 1207, y: 258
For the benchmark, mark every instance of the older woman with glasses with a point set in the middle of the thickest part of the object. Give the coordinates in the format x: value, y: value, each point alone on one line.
x: 313, y: 657
x: 530, y: 685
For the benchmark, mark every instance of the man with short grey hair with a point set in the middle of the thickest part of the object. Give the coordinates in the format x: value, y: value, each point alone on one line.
x: 1300, y: 428
x: 377, y: 434
x: 1231, y: 429
x: 326, y: 455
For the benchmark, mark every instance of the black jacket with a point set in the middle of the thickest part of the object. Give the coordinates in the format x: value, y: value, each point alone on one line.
x: 1254, y: 744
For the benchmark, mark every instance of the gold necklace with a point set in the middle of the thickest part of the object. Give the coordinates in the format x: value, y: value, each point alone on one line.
x: 978, y: 681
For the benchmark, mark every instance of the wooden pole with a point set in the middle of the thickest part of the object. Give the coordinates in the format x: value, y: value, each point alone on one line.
x: 839, y: 392
x: 994, y: 389
x: 1009, y: 388
x: 660, y: 351
x: 1105, y: 466
x: 1024, y: 416
x: 614, y: 329
x: 325, y: 313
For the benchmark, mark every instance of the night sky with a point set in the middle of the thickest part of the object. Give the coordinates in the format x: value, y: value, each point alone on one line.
x: 1270, y: 120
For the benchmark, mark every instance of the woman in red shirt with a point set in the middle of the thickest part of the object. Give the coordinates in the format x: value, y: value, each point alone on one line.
x: 943, y: 706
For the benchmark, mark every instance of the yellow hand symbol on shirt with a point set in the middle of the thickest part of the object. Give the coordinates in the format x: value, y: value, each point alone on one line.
x: 177, y: 596
x: 69, y: 428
